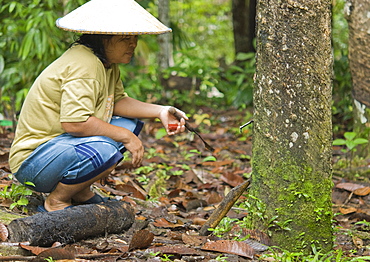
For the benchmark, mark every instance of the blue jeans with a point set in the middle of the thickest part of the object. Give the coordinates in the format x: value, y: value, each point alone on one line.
x: 73, y: 160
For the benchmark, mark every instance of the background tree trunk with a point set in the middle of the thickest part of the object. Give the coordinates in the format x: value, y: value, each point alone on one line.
x: 291, y: 179
x: 244, y: 25
x: 165, y: 58
x: 357, y: 12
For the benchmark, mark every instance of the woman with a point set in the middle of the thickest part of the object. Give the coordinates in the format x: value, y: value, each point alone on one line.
x: 77, y: 120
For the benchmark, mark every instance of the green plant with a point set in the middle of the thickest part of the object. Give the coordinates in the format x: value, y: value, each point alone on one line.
x: 282, y: 225
x: 236, y: 82
x: 351, y: 142
x: 209, y: 159
x: 28, y: 46
x: 223, y: 227
x: 151, y: 152
x: 188, y: 155
x: 365, y: 225
x: 143, y: 179
x: 49, y: 259
x: 258, y: 208
x: 161, y: 132
x: 154, y: 254
x: 17, y: 194
x: 202, y: 119
x: 335, y: 255
x: 145, y: 169
x: 221, y: 258
x: 166, y: 257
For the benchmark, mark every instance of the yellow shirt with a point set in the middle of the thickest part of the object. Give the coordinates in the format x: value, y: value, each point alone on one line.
x: 71, y: 89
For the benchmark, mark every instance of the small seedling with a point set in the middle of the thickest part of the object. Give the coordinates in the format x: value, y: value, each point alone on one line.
x: 17, y: 194
x: 223, y: 227
x: 166, y: 257
x: 351, y: 142
x: 221, y: 258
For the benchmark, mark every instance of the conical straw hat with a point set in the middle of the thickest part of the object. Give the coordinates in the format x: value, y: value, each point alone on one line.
x: 112, y: 17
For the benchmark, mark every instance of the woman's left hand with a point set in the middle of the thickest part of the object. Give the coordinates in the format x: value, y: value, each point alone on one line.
x: 170, y: 122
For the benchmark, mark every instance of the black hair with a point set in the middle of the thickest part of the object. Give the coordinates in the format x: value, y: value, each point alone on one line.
x: 95, y: 42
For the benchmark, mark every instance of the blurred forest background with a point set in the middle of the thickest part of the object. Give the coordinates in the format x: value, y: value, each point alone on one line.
x: 205, y: 70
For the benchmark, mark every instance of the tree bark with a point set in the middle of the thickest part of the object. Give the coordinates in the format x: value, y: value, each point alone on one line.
x: 244, y: 25
x: 359, y: 41
x: 359, y: 60
x: 165, y: 58
x: 292, y: 134
x: 72, y: 224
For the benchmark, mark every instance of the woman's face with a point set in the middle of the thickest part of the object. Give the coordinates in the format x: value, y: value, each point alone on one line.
x: 120, y: 48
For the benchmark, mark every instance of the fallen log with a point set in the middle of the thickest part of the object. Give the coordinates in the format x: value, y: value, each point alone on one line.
x: 72, y: 224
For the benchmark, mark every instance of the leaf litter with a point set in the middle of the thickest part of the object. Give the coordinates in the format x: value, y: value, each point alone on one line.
x: 186, y: 193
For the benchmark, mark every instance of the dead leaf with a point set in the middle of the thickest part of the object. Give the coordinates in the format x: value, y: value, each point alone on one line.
x: 194, y: 204
x: 162, y: 222
x: 34, y: 249
x: 59, y: 253
x: 174, y: 193
x: 364, y: 191
x: 193, y: 240
x: 257, y: 246
x: 230, y: 247
x: 348, y: 210
x: 4, y: 233
x: 181, y: 250
x: 4, y: 156
x: 174, y: 235
x: 213, y: 198
x: 258, y: 235
x: 141, y: 239
x: 6, y: 202
x: 218, y: 163
x: 56, y: 253
x: 130, y: 201
x: 349, y: 186
x: 199, y: 221
x: 123, y: 249
x: 359, y: 243
x: 130, y: 189
x: 232, y: 179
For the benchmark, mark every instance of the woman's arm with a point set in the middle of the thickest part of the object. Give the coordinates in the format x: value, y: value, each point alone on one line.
x: 129, y: 107
x: 96, y: 127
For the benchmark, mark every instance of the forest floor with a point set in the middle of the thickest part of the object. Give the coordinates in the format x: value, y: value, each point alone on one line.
x: 173, y: 194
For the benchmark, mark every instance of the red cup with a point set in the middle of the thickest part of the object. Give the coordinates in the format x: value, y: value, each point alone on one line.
x: 172, y: 127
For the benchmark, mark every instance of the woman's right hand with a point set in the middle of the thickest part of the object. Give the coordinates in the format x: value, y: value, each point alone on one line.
x: 135, y: 147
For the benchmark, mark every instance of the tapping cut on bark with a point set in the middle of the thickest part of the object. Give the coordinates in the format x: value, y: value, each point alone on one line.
x: 246, y: 124
x: 173, y: 111
x: 223, y: 208
x: 72, y: 224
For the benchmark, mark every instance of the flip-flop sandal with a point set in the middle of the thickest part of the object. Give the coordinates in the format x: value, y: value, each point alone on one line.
x: 41, y: 208
x: 96, y: 199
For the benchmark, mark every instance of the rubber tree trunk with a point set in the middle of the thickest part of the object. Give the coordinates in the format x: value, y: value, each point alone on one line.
x: 244, y: 25
x: 292, y: 134
x: 357, y: 13
x: 165, y: 58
